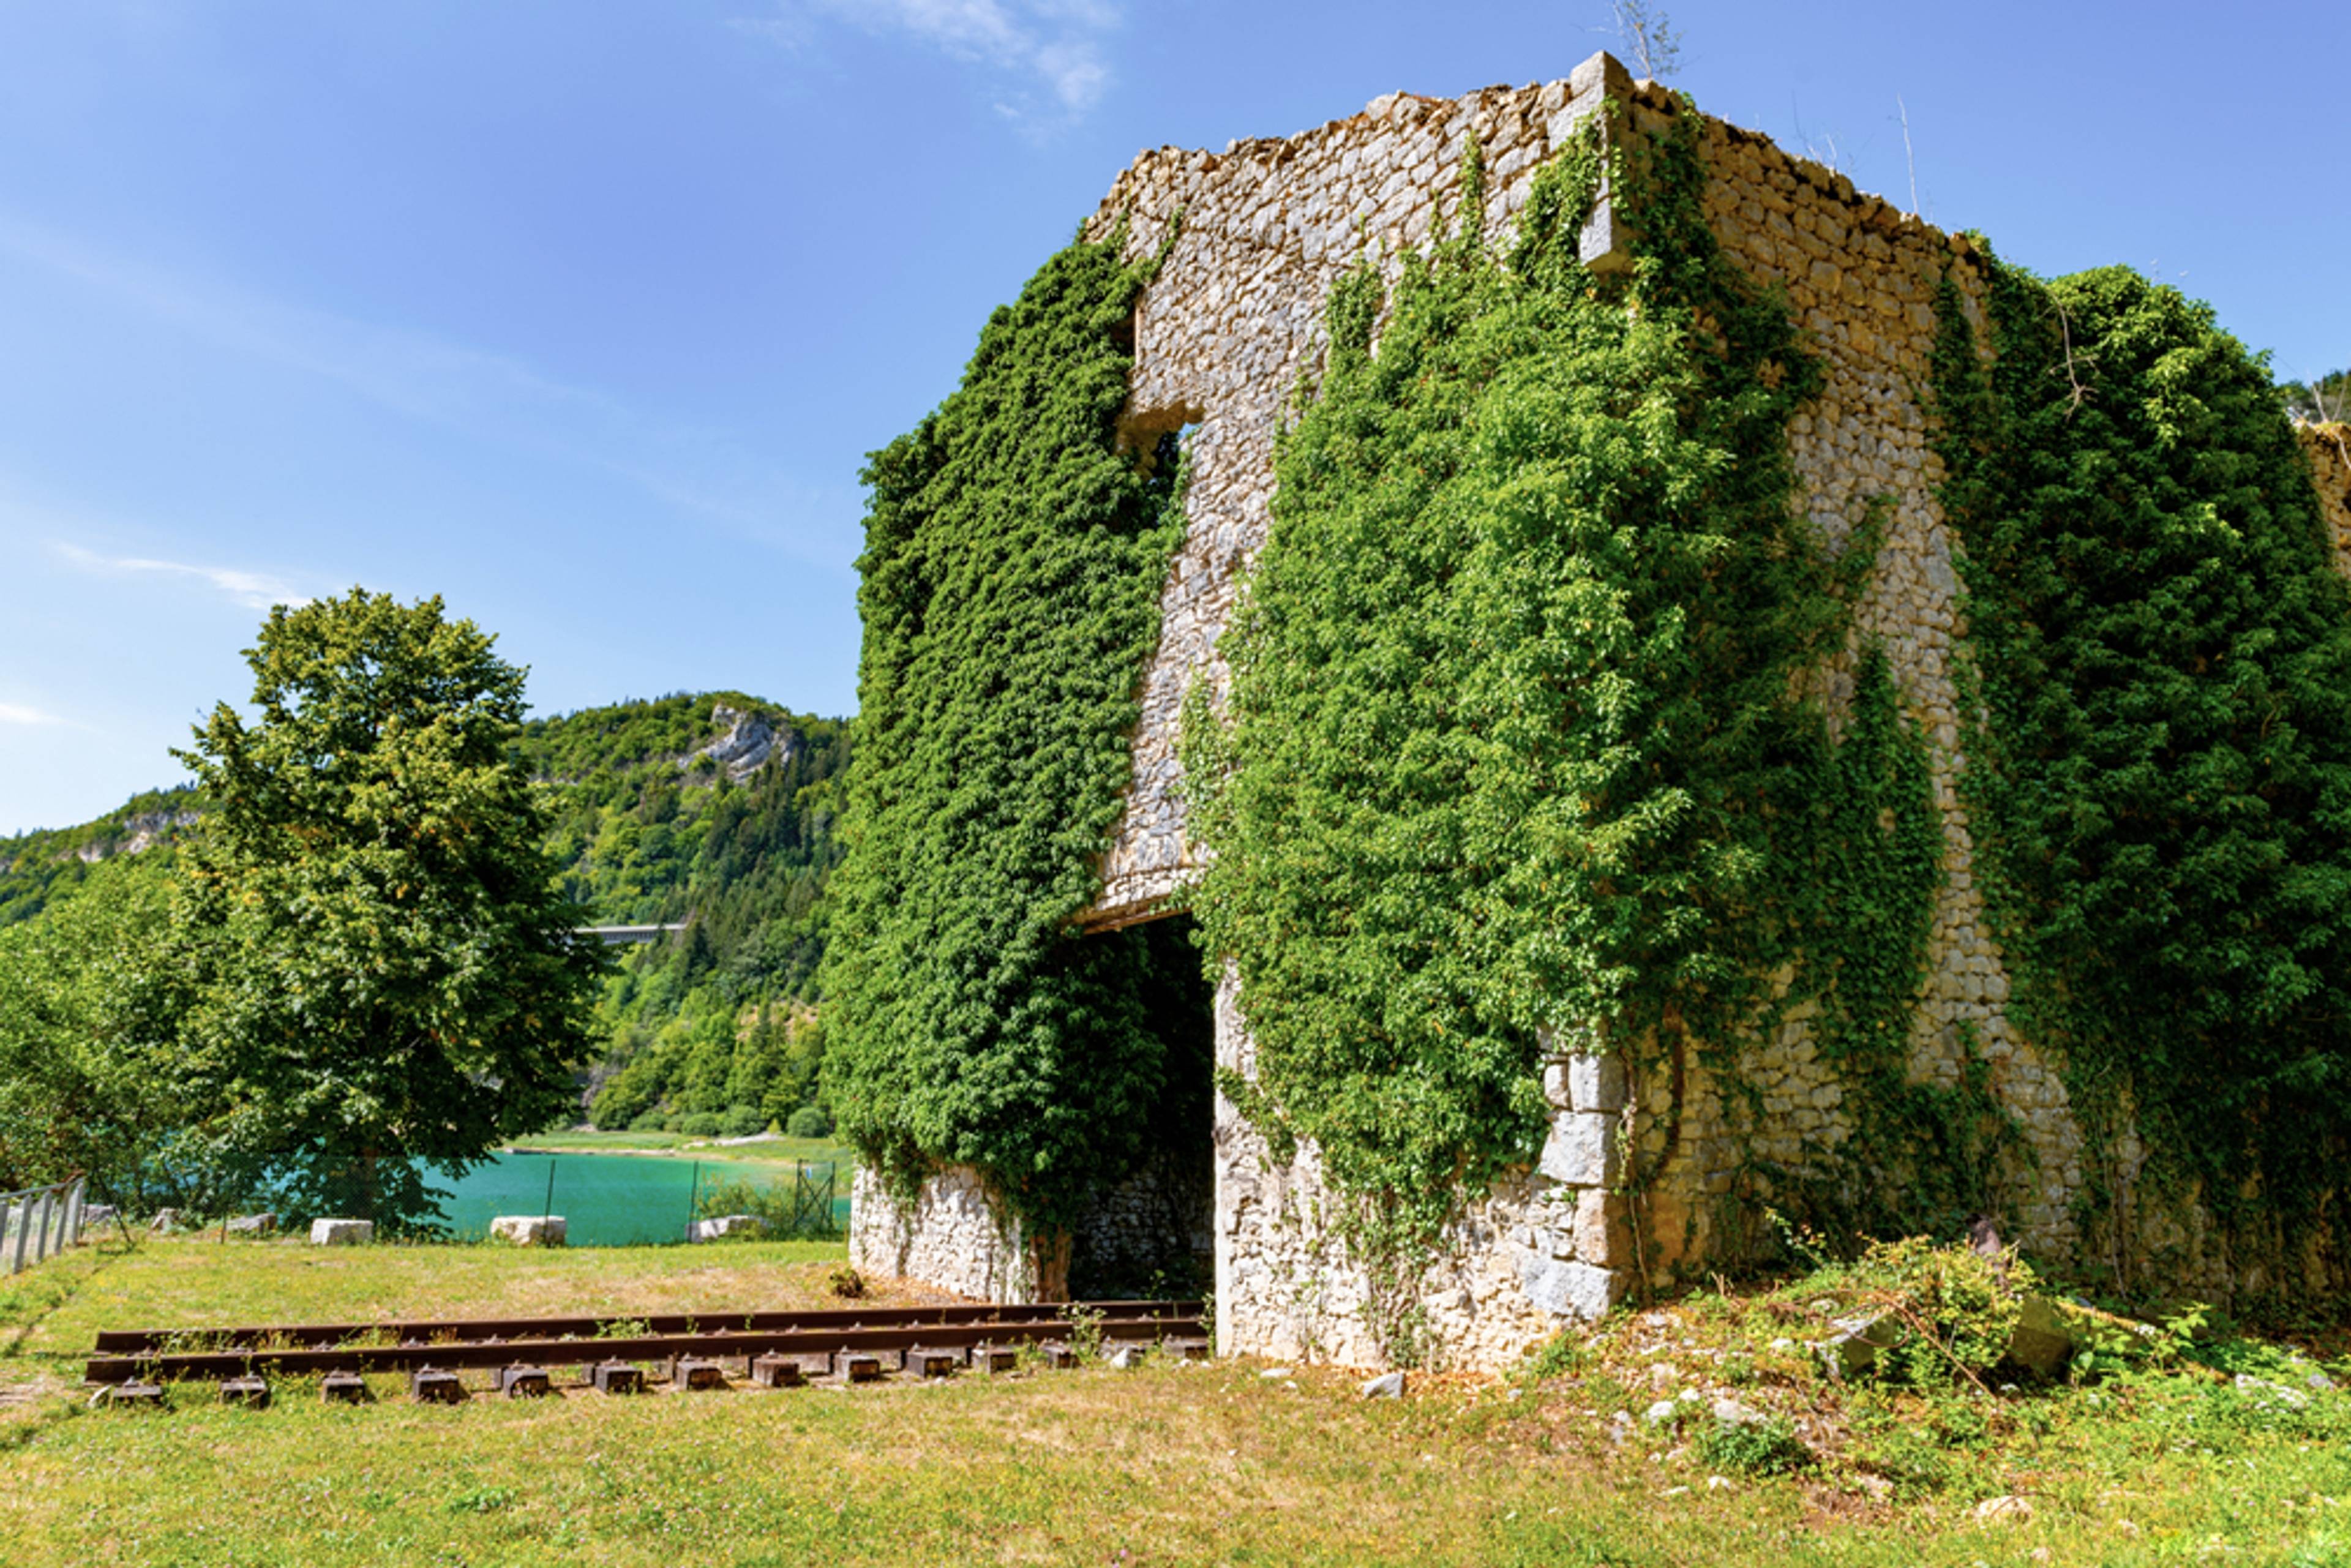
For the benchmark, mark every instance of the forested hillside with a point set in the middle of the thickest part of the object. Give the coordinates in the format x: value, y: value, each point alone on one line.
x: 38, y: 867
x: 714, y: 810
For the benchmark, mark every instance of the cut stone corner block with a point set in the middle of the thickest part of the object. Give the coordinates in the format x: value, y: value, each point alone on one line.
x: 1568, y: 1290
x: 1603, y: 246
x: 727, y: 1225
x: 528, y: 1230
x: 1584, y: 1081
x: 1584, y: 1149
x: 1601, y: 73
x: 342, y: 1233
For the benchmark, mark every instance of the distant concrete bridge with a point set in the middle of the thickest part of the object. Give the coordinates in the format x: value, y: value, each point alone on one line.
x: 616, y: 935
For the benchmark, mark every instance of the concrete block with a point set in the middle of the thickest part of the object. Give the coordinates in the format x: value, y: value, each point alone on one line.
x: 528, y: 1230
x: 1128, y: 1355
x: 525, y: 1382
x: 996, y: 1358
x: 2041, y: 1343
x: 342, y: 1233
x: 1386, y: 1385
x: 860, y: 1367
x: 617, y: 1377
x: 344, y: 1388
x: 1853, y: 1344
x: 253, y: 1225
x: 431, y: 1385
x: 934, y: 1363
x: 775, y: 1370
x: 253, y: 1393
x: 135, y: 1396
x: 692, y: 1372
x: 725, y: 1225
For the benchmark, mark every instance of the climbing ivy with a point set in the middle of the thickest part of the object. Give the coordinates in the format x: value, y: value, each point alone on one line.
x: 1859, y: 836
x: 2161, y: 770
x: 1518, y: 737
x: 1013, y: 561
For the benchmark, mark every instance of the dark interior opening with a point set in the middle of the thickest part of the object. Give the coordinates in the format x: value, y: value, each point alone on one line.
x: 1150, y: 1231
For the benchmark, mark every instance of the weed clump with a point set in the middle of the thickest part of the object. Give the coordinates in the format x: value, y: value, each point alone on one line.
x: 1769, y: 1448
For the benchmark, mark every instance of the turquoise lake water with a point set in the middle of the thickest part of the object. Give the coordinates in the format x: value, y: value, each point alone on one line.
x: 606, y: 1200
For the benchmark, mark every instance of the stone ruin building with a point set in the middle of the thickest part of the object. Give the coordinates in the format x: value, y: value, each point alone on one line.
x: 1234, y: 315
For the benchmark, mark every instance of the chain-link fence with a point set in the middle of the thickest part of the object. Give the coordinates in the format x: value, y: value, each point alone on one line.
x: 39, y: 1222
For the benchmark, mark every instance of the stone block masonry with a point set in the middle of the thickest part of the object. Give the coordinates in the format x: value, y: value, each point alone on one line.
x: 2328, y: 447
x: 1223, y: 336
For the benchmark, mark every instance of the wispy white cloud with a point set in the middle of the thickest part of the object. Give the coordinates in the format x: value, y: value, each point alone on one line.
x: 424, y: 377
x: 409, y: 373
x: 1057, y: 46
x: 254, y: 590
x: 18, y: 713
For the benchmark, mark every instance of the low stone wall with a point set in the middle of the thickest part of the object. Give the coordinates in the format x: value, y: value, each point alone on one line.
x: 954, y: 1235
x: 950, y: 1237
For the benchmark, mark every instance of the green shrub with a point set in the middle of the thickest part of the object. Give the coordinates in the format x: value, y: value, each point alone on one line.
x: 809, y: 1121
x: 649, y: 1122
x: 742, y: 1122
x: 1560, y: 1357
x: 1753, y: 1447
x: 1943, y: 1312
x: 699, y: 1125
x: 782, y: 1208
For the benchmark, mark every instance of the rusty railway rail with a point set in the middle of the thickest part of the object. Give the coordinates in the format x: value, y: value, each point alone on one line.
x: 410, y: 1345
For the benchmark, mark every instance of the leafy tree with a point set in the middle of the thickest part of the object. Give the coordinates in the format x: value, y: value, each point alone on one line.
x: 2321, y: 401
x: 88, y: 1040
x: 389, y: 980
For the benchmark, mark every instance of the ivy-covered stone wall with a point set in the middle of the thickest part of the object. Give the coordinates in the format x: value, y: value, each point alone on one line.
x: 1900, y: 1088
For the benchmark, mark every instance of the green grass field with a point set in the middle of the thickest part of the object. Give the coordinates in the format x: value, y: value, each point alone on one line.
x: 1216, y: 1463
x: 779, y: 1152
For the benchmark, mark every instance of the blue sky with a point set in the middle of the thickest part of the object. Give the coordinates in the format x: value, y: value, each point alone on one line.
x: 583, y: 314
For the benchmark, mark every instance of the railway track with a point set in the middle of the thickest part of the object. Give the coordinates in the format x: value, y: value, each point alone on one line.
x: 878, y: 1340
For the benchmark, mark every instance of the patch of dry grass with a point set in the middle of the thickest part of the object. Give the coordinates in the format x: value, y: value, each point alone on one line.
x: 1213, y: 1463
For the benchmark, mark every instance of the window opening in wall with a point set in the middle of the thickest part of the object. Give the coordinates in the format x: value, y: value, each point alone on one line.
x: 1154, y: 434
